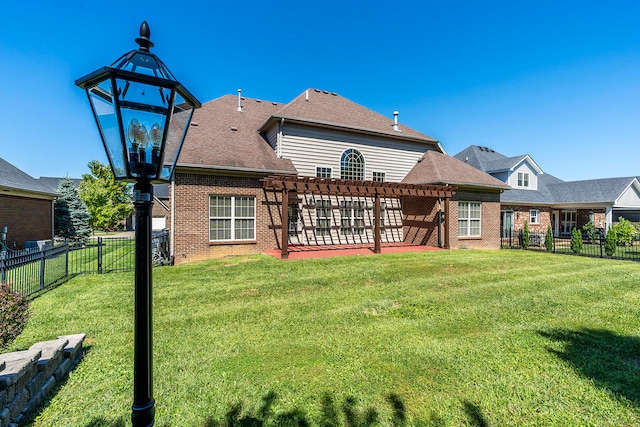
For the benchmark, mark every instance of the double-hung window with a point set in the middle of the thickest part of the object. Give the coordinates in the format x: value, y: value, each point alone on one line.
x: 469, y: 219
x: 232, y: 218
x: 323, y: 217
x: 352, y: 217
x: 523, y: 179
x: 534, y: 216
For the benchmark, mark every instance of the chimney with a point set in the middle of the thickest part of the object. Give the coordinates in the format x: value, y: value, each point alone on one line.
x: 395, y: 120
x: 240, y: 100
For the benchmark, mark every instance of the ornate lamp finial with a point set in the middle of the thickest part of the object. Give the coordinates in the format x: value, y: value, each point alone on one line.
x: 143, y: 41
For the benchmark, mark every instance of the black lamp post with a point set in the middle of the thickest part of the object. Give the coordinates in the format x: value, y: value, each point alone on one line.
x: 143, y: 114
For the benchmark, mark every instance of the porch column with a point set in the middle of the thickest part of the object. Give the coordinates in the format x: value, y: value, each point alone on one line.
x: 447, y: 223
x: 608, y: 218
x: 376, y: 225
x: 284, y: 239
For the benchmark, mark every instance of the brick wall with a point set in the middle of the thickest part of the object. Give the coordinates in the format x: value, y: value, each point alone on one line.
x: 522, y: 214
x: 420, y: 223
x: 26, y: 218
x: 490, y: 225
x: 191, y: 234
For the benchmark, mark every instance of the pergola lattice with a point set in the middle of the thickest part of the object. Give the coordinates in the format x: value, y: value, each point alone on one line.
x: 335, y: 187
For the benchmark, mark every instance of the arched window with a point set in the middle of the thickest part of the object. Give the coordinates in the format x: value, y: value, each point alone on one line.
x: 352, y: 165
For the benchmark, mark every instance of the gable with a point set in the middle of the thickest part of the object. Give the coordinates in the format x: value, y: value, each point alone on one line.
x: 630, y: 197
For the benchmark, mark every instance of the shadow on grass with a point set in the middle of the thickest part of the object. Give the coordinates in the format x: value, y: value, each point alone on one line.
x: 332, y: 414
x: 611, y: 360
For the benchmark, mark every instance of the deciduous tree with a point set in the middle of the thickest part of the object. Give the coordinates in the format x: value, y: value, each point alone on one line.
x: 108, y: 200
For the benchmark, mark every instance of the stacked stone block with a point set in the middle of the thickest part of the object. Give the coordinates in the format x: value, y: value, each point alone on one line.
x: 28, y: 377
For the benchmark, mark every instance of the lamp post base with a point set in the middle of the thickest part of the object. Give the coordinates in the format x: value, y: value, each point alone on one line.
x: 143, y: 415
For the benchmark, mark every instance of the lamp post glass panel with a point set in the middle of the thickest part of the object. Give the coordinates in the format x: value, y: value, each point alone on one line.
x: 143, y: 114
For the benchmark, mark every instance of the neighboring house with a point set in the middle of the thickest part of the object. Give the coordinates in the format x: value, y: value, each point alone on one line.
x: 160, y: 209
x: 543, y: 200
x: 26, y: 207
x: 54, y: 182
x: 320, y: 170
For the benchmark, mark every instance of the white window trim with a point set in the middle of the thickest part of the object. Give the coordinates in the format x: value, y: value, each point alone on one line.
x: 233, y: 219
x: 330, y: 169
x: 532, y: 214
x: 522, y: 182
x: 469, y: 219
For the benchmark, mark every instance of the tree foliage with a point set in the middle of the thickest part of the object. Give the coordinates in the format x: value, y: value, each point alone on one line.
x: 625, y: 231
x: 71, y: 216
x: 108, y: 200
x: 14, y: 313
x: 610, y: 243
x: 591, y: 232
x: 548, y: 240
x: 576, y: 241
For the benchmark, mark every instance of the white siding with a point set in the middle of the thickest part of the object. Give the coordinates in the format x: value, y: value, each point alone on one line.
x: 524, y: 168
x: 629, y: 198
x: 309, y: 148
x: 272, y: 136
x: 306, y: 228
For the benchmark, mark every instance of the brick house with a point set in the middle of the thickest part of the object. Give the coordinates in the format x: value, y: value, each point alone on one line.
x: 26, y: 206
x: 320, y: 170
x: 543, y: 200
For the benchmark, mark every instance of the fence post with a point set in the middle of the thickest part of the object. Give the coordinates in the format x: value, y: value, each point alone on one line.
x: 601, y: 244
x: 99, y: 255
x: 66, y: 260
x: 2, y: 267
x: 43, y: 263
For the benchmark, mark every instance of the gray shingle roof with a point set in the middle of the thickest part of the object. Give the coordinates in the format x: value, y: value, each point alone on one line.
x: 606, y: 190
x: 551, y: 190
x: 13, y: 178
x: 53, y: 182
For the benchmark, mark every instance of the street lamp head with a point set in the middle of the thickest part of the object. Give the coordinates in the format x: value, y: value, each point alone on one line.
x: 142, y: 112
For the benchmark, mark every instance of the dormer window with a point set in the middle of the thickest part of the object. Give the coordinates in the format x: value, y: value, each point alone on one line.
x: 523, y: 179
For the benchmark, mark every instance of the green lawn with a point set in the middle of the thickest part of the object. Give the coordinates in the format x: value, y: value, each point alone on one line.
x: 450, y: 338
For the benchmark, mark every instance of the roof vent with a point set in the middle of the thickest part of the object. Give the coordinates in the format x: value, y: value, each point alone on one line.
x: 306, y: 95
x: 194, y: 123
x: 240, y: 100
x: 395, y: 121
x: 233, y: 128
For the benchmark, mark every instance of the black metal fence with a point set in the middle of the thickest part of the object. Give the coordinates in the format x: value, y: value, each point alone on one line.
x: 32, y: 270
x: 596, y: 247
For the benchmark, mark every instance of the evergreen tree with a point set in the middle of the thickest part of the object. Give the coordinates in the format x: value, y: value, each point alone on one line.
x: 71, y: 216
x: 548, y: 240
x: 576, y: 241
x: 108, y: 200
x: 526, y: 238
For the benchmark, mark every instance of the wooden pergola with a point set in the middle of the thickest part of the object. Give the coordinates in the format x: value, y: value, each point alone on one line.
x: 287, y: 184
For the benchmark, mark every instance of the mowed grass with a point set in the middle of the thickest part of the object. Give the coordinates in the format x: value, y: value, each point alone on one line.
x: 447, y: 338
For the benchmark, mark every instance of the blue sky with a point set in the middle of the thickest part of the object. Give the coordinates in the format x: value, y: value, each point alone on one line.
x: 559, y: 80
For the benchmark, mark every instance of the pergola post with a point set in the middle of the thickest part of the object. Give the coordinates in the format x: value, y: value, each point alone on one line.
x: 284, y: 239
x: 377, y: 235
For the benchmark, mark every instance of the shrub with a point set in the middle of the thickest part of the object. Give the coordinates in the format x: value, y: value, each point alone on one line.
x: 591, y: 232
x: 576, y: 241
x: 548, y: 240
x: 526, y: 238
x: 624, y: 231
x: 610, y: 242
x: 14, y: 312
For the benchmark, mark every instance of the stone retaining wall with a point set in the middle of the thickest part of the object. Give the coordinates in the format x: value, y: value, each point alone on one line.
x: 28, y: 377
